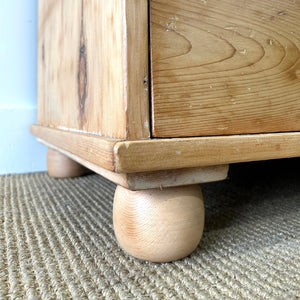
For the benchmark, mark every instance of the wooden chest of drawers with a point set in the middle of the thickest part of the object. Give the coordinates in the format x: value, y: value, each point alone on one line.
x: 161, y: 95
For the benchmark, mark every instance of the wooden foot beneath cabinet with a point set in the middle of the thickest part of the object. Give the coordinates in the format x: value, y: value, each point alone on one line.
x: 159, y: 225
x: 61, y: 166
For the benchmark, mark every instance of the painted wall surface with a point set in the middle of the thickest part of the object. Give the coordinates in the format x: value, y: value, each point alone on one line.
x: 19, y: 151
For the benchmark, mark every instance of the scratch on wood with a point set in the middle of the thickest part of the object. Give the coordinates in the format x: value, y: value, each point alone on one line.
x: 82, y: 70
x: 281, y: 13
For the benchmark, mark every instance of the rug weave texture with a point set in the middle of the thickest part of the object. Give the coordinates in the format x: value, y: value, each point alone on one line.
x: 57, y: 240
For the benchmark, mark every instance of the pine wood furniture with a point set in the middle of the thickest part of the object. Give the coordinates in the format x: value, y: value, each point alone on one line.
x: 161, y: 95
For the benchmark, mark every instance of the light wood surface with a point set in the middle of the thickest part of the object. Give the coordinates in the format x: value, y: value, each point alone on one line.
x: 97, y: 150
x: 93, y: 66
x: 136, y: 69
x: 152, y: 180
x: 225, y: 67
x: 177, y: 177
x: 120, y: 179
x: 61, y: 166
x: 159, y: 225
x: 158, y: 154
x: 167, y: 154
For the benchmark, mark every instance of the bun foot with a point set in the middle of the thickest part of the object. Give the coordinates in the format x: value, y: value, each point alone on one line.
x: 159, y: 225
x: 61, y: 166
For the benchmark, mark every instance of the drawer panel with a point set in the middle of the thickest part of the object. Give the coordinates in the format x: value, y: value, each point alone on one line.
x: 225, y: 67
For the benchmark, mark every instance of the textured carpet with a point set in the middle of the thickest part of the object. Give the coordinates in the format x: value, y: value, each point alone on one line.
x: 57, y: 241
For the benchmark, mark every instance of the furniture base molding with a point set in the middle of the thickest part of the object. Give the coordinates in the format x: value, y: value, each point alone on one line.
x: 150, y: 155
x: 159, y: 225
x: 157, y: 154
x: 141, y: 180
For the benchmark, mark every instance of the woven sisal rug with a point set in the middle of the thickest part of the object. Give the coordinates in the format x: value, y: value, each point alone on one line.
x: 57, y: 240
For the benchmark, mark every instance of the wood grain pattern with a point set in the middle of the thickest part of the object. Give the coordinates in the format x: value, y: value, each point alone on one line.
x: 177, y: 177
x: 164, y: 154
x: 120, y: 179
x: 167, y: 154
x: 62, y: 166
x: 151, y: 180
x: 137, y: 72
x: 95, y: 149
x: 159, y: 225
x: 88, y: 79
x: 225, y: 67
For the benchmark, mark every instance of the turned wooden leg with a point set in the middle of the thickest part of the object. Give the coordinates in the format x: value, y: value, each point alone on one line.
x: 61, y: 166
x: 159, y: 225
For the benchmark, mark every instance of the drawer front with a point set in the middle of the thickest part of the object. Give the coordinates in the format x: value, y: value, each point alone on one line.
x: 225, y: 67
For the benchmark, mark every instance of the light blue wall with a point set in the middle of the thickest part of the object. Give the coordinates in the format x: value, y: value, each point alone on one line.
x: 19, y: 151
